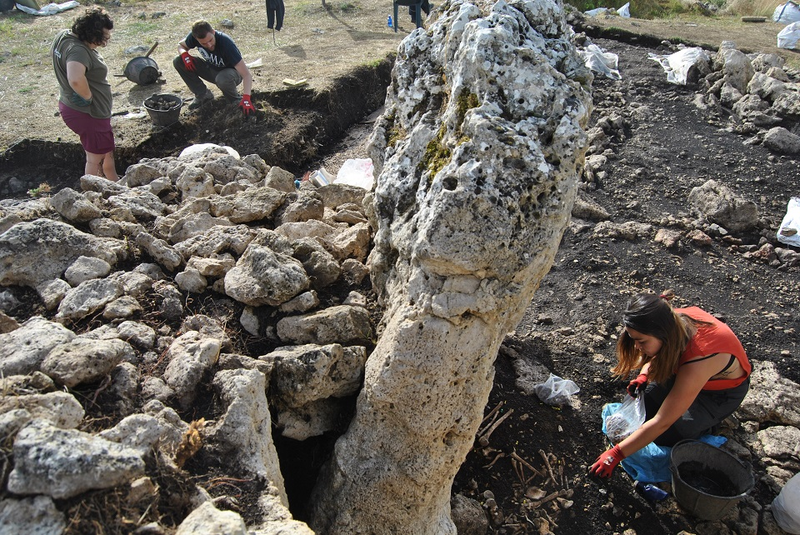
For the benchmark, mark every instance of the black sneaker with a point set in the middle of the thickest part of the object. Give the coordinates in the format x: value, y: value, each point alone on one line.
x: 199, y: 100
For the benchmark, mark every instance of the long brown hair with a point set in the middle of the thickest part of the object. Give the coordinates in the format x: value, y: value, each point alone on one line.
x: 653, y: 315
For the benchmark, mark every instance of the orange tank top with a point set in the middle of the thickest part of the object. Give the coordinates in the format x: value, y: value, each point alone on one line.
x: 714, y: 338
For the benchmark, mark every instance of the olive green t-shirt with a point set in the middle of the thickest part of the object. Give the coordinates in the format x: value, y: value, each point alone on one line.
x: 67, y: 47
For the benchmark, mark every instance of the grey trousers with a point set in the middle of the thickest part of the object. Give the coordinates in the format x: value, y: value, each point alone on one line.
x: 709, y: 408
x: 226, y: 79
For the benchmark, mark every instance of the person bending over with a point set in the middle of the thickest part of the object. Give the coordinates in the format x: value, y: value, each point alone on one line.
x: 694, y: 374
x: 219, y: 63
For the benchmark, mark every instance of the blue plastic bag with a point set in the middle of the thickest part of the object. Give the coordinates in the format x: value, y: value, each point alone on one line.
x: 651, y: 463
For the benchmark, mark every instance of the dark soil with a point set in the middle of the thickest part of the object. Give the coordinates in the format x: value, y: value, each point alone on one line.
x: 571, y: 324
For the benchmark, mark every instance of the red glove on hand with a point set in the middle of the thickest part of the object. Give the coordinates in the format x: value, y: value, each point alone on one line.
x: 605, y: 464
x: 247, y: 105
x: 188, y: 61
x: 637, y: 384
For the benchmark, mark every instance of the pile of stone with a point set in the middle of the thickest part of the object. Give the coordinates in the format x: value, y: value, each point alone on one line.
x: 207, y: 221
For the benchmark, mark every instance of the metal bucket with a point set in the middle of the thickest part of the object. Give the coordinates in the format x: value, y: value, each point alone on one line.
x: 700, y: 472
x: 142, y: 70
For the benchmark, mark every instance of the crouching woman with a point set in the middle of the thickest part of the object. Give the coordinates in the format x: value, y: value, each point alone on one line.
x: 694, y: 373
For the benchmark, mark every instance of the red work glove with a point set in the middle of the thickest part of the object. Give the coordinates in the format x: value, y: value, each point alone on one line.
x: 637, y: 384
x: 188, y: 61
x: 606, y: 463
x: 247, y: 105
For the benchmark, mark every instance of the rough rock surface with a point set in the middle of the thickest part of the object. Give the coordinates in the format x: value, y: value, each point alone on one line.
x: 478, y: 152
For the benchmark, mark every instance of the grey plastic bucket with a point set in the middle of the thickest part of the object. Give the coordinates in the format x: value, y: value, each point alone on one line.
x: 142, y: 70
x: 168, y: 116
x: 712, y: 462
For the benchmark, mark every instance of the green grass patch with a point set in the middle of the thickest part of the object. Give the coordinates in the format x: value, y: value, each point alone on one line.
x: 641, y: 9
x: 347, y: 7
x: 6, y: 28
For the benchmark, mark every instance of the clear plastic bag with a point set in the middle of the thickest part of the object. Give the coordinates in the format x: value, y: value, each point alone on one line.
x: 556, y: 391
x: 621, y: 423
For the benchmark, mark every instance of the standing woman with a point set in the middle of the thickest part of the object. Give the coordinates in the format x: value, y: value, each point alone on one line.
x: 85, y: 100
x: 697, y: 370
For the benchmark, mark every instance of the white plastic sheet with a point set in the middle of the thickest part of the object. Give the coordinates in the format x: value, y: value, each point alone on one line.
x: 624, y: 11
x: 787, y: 13
x: 789, y: 231
x: 603, y: 62
x: 786, y: 506
x: 677, y: 65
x: 788, y: 37
x: 356, y: 172
x: 598, y: 11
x: 49, y: 9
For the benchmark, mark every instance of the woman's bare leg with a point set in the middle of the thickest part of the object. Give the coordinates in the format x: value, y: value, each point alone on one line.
x: 101, y: 165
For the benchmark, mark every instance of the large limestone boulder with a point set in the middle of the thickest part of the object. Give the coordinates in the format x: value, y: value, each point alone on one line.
x: 39, y: 251
x: 477, y: 153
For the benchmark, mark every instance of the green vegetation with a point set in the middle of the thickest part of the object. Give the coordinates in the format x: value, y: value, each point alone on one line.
x: 347, y: 7
x: 6, y: 28
x: 654, y: 9
x: 437, y: 154
x: 43, y: 189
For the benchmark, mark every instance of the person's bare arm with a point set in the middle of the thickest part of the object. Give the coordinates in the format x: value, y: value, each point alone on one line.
x: 76, y: 75
x: 689, y: 382
x: 247, y: 78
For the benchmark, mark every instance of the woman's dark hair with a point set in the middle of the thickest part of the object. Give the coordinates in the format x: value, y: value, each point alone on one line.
x: 89, y: 26
x: 653, y: 315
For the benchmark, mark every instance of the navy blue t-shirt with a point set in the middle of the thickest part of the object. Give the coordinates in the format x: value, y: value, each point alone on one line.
x: 225, y: 53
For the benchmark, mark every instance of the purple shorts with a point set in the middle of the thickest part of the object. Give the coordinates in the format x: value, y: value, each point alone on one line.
x: 96, y: 135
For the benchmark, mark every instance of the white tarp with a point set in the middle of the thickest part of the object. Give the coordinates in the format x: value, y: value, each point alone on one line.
x: 787, y: 13
x: 49, y: 9
x: 789, y: 232
x: 599, y: 61
x: 788, y: 37
x: 677, y: 65
x: 624, y: 11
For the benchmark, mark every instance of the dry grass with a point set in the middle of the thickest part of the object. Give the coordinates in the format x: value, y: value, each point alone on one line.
x: 752, y: 8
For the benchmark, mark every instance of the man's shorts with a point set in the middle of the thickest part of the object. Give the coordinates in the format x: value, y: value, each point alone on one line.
x: 96, y: 134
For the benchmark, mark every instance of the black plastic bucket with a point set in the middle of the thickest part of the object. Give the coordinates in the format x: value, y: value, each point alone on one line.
x: 142, y: 70
x: 169, y: 110
x: 706, y: 480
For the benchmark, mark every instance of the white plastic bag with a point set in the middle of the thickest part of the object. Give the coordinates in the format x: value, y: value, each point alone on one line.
x: 556, y: 391
x: 786, y: 506
x: 49, y: 9
x: 677, y: 65
x: 357, y: 172
x: 629, y: 417
x: 788, y: 37
x: 603, y: 62
x: 597, y: 11
x: 625, y: 11
x: 786, y: 13
x: 789, y: 231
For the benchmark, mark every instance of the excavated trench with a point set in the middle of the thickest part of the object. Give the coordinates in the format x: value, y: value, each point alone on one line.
x: 292, y: 129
